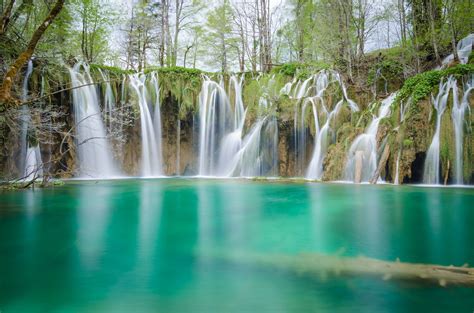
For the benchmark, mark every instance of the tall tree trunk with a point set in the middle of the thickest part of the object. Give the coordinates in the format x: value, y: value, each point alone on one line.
x: 5, y: 88
x: 6, y: 17
x: 432, y: 17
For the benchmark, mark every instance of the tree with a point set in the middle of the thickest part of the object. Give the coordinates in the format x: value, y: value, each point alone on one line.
x: 219, y: 35
x: 96, y: 18
x: 5, y: 88
x: 184, y: 18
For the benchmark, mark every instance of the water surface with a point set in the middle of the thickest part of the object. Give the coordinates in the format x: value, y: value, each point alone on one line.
x: 157, y: 246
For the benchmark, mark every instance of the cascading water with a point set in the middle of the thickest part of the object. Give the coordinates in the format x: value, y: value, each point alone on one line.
x: 215, y: 122
x: 224, y: 151
x: 151, y: 161
x: 30, y: 156
x: 464, y: 49
x: 258, y: 154
x: 322, y: 140
x: 92, y: 146
x: 457, y: 115
x: 109, y: 100
x: 365, y: 146
x: 321, y: 82
x: 232, y: 142
x: 431, y: 174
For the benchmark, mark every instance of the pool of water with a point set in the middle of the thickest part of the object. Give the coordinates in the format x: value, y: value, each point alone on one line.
x: 166, y: 245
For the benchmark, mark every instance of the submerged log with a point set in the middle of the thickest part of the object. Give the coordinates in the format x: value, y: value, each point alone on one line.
x: 321, y: 265
x: 359, y: 158
x: 381, y: 165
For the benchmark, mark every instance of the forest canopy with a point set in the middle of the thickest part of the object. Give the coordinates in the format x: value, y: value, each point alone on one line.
x: 410, y: 36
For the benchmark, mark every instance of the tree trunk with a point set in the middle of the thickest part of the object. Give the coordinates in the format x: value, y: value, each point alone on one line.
x: 433, y: 32
x: 5, y: 88
x: 446, y: 175
x: 359, y: 158
x: 382, y: 162
x: 6, y: 17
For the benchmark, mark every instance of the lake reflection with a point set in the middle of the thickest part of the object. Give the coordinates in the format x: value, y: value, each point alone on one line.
x: 168, y: 245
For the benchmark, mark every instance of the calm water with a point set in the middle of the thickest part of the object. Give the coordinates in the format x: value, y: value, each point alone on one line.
x: 157, y: 246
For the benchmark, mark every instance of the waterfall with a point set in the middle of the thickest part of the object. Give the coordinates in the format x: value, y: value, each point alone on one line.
x: 258, y: 155
x: 151, y: 161
x: 232, y: 142
x: 224, y: 149
x: 321, y: 81
x: 322, y: 140
x: 109, y: 100
x: 216, y: 121
x: 315, y: 168
x: 464, y: 48
x: 92, y: 146
x: 31, y: 164
x: 431, y: 173
x: 457, y: 115
x: 366, y: 145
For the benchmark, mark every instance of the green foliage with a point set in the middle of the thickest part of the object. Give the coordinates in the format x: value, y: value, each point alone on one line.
x: 471, y: 58
x: 420, y: 86
x: 220, y: 39
x: 300, y: 70
x: 390, y: 69
x: 110, y: 69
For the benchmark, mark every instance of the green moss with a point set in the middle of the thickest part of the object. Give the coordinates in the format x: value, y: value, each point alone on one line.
x: 407, y: 143
x: 183, y: 84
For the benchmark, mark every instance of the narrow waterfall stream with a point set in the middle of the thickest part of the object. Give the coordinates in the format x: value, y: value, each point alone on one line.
x: 31, y: 154
x: 457, y: 114
x: 431, y: 174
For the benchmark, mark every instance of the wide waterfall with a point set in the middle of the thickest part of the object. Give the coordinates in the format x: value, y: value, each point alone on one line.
x: 148, y: 100
x: 362, y: 155
x: 224, y: 149
x: 92, y: 146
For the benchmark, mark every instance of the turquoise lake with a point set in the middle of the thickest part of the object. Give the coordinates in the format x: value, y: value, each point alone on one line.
x: 165, y: 245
